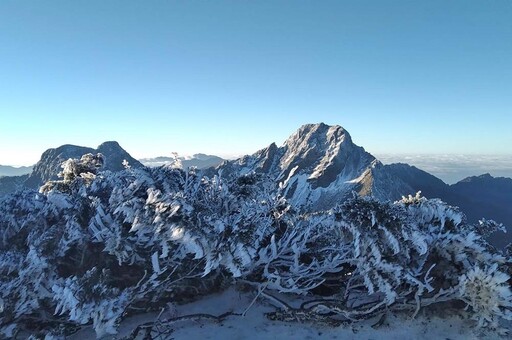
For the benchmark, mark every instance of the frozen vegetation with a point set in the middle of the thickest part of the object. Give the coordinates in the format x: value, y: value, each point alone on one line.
x: 99, y: 247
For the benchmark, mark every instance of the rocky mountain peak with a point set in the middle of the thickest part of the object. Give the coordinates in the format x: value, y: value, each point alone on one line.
x: 49, y: 165
x: 316, y: 166
x: 324, y: 152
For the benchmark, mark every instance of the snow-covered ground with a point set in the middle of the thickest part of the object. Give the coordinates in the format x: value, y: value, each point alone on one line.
x: 429, y: 324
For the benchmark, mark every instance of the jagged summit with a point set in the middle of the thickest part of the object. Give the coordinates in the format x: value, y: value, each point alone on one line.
x: 317, y: 166
x: 317, y: 136
x: 310, y: 132
x: 325, y: 152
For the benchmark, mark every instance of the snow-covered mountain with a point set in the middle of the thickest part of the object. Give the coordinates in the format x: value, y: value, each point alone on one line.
x: 318, y: 167
x: 199, y: 160
x: 49, y: 165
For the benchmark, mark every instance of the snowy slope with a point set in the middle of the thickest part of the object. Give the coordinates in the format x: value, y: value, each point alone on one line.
x: 430, y: 324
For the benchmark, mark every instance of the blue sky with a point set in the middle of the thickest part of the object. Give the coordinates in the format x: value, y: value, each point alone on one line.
x: 230, y: 77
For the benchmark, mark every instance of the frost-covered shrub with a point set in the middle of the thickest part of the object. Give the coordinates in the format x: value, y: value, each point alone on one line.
x: 362, y: 243
x: 454, y: 246
x: 88, y: 164
x: 90, y: 298
x: 35, y: 232
x: 410, y: 253
x: 293, y: 260
x: 84, y: 168
x: 136, y: 238
x: 488, y: 294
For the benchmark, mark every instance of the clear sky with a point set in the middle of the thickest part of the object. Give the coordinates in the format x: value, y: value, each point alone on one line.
x: 230, y: 77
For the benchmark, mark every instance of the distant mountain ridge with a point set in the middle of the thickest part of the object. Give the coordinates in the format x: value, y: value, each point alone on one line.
x: 199, y: 160
x: 489, y: 197
x: 7, y: 170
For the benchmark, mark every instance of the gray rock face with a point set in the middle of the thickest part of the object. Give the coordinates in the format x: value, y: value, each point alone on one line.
x: 49, y: 165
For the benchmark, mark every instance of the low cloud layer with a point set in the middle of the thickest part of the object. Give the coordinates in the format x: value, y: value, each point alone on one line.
x: 453, y: 168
